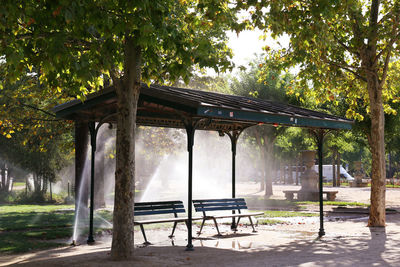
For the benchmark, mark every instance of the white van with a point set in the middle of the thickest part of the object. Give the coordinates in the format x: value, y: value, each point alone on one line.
x: 328, y: 174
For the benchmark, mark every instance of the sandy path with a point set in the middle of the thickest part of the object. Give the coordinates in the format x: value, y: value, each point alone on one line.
x: 348, y: 242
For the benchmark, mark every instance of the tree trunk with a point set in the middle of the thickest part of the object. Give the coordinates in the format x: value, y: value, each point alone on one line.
x: 45, y: 184
x: 297, y: 169
x: 127, y: 89
x: 268, y: 170
x: 8, y: 180
x: 334, y: 184
x: 290, y: 169
x: 3, y: 176
x: 36, y: 183
x: 376, y: 140
x: 263, y: 160
x: 338, y: 164
x: 51, y: 192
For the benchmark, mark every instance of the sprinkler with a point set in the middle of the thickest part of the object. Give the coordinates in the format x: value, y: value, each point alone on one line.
x: 73, y: 244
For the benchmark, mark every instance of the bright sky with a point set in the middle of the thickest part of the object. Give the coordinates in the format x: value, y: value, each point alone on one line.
x: 248, y: 44
x: 245, y: 46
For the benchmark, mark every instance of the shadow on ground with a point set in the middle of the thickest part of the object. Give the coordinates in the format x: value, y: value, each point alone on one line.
x: 330, y: 251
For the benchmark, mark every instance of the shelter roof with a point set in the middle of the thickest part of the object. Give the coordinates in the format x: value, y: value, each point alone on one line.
x: 168, y: 106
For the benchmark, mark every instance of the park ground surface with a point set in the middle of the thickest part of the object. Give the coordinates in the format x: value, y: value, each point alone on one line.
x: 348, y: 241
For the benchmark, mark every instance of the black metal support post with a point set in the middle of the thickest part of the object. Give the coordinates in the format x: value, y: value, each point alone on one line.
x: 93, y: 134
x: 234, y: 142
x: 234, y: 136
x: 93, y: 130
x: 320, y: 140
x: 190, y: 130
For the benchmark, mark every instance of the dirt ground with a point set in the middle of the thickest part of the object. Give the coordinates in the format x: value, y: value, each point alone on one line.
x: 348, y: 242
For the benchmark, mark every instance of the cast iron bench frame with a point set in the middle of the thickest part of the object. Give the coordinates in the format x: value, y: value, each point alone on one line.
x: 289, y: 194
x: 157, y: 208
x: 233, y: 204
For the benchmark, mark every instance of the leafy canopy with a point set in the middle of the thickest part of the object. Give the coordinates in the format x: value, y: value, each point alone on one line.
x: 75, y: 45
x: 329, y: 45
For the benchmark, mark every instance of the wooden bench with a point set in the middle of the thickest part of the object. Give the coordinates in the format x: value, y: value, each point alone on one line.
x: 159, y: 208
x: 289, y: 194
x: 233, y: 204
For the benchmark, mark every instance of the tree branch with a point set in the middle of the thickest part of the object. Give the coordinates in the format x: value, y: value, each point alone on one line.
x: 395, y: 39
x: 356, y: 28
x: 346, y: 47
x: 373, y: 23
x: 388, y: 50
x: 386, y: 65
x: 32, y: 107
x: 50, y: 120
x: 38, y: 109
x: 69, y: 41
x: 347, y: 68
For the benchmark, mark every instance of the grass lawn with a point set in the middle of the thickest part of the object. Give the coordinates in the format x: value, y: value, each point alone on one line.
x: 285, y: 214
x: 25, y: 228
x: 33, y: 227
x: 334, y: 203
x: 19, y: 184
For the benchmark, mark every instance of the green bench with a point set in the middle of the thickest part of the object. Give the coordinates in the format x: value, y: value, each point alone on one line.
x: 237, y: 205
x: 159, y: 208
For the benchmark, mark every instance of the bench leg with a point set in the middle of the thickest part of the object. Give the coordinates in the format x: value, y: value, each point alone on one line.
x: 238, y: 221
x: 234, y: 224
x: 216, y: 226
x: 331, y: 196
x: 252, y: 225
x: 201, y: 227
x: 289, y: 196
x: 173, y: 230
x: 144, y: 235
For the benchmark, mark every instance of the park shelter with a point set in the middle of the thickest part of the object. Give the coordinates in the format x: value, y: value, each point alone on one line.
x: 166, y: 106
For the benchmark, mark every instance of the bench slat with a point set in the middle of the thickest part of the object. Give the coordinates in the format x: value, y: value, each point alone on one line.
x: 154, y: 212
x: 218, y: 200
x: 199, y: 209
x: 159, y: 221
x: 241, y: 204
x: 158, y: 203
x: 159, y: 207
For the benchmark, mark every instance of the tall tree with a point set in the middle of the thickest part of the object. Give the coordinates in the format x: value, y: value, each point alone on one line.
x: 270, y: 86
x: 30, y: 137
x: 77, y: 43
x: 342, y: 47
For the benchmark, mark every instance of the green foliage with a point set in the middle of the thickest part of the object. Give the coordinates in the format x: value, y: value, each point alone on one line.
x: 30, y: 137
x: 292, y: 141
x: 269, y: 86
x: 74, y: 43
x: 7, y: 197
x: 327, y: 45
